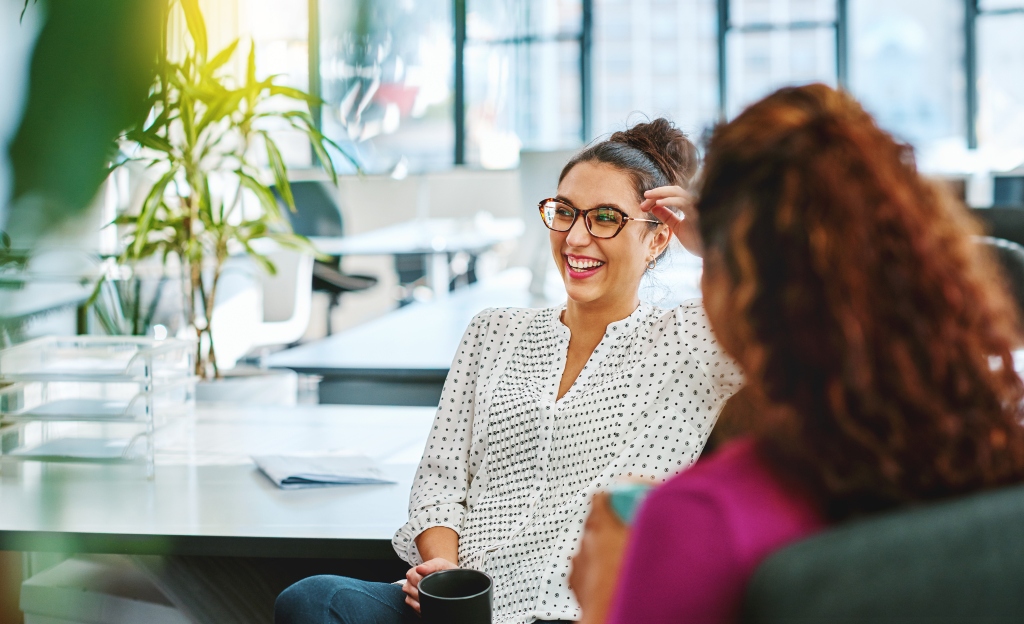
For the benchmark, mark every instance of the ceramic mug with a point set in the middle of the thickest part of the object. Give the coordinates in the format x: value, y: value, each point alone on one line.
x: 457, y: 596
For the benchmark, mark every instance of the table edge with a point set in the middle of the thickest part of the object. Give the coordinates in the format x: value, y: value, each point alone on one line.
x: 368, y: 374
x: 197, y: 545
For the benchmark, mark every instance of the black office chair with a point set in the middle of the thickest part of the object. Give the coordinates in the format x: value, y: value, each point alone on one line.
x: 1011, y: 258
x: 1005, y: 223
x: 1008, y: 191
x: 317, y: 214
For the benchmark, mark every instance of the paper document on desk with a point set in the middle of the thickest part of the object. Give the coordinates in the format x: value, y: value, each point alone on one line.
x: 292, y: 472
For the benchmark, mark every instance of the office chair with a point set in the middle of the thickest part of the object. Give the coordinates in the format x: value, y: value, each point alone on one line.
x: 1011, y: 258
x: 1008, y: 191
x: 1005, y: 223
x: 317, y: 214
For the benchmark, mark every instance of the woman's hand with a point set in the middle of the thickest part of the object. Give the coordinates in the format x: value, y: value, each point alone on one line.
x: 595, y: 569
x: 416, y: 574
x: 676, y: 207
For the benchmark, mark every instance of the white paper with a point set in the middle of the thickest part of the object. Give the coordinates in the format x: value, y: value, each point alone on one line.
x: 293, y: 472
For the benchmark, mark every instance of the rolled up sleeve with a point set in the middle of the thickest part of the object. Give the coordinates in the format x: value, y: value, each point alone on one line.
x: 442, y: 481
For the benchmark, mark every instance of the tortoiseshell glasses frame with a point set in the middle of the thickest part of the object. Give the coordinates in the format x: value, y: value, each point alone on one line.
x: 609, y: 220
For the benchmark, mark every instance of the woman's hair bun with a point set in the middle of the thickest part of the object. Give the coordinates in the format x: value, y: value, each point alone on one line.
x: 666, y: 146
x: 654, y: 154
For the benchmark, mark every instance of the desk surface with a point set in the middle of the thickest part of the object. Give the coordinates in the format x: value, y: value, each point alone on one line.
x: 424, y: 236
x: 208, y: 498
x: 418, y: 340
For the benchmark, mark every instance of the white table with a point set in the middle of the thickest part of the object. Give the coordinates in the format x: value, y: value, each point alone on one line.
x: 435, y: 238
x: 209, y: 499
x: 402, y: 358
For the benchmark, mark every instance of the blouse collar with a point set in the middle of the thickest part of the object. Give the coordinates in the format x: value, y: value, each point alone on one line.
x: 618, y: 328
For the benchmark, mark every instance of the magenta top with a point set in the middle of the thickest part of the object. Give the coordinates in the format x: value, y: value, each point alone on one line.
x: 697, y: 539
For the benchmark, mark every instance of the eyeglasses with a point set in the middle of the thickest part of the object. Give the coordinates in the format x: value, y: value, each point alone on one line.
x: 603, y: 222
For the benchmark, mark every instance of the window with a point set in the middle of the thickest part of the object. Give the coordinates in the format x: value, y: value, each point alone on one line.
x: 386, y: 81
x: 658, y: 58
x: 523, y: 78
x: 1000, y: 58
x: 907, y: 68
x: 774, y: 43
x: 543, y: 74
x: 280, y: 31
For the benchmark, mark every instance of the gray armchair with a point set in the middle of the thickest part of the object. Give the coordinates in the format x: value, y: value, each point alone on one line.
x: 959, y: 561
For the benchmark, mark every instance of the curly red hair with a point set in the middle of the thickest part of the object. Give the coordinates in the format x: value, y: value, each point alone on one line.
x: 875, y: 330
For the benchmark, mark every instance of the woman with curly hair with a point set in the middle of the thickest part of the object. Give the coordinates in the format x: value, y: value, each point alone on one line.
x: 876, y: 343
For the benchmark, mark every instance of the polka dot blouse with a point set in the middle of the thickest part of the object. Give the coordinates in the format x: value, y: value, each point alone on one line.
x: 511, y: 469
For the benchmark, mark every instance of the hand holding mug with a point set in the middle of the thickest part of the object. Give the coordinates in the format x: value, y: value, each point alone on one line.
x: 416, y: 574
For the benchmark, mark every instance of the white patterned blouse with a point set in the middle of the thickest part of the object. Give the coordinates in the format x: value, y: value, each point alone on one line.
x: 511, y: 469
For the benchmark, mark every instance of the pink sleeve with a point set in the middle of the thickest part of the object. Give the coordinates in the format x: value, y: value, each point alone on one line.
x: 680, y: 565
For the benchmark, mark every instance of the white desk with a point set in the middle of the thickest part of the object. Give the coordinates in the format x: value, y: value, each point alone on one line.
x: 209, y: 499
x: 402, y: 358
x: 435, y: 238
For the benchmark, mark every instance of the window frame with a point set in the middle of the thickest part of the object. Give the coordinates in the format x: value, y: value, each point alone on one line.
x: 584, y: 40
x: 725, y: 26
x: 972, y: 11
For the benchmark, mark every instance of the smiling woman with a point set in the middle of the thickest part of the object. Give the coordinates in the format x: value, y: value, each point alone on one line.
x: 543, y: 407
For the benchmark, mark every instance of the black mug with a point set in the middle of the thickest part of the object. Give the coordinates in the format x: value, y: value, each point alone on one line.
x: 457, y: 596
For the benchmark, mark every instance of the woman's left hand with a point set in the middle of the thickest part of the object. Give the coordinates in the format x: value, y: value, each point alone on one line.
x: 595, y: 569
x: 677, y: 208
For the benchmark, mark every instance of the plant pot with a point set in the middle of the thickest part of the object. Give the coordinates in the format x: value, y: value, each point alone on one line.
x: 251, y: 386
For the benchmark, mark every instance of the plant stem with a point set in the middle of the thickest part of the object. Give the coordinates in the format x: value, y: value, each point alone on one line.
x: 209, y: 306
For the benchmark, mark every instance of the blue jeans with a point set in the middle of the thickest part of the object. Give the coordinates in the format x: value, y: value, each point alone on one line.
x: 327, y: 599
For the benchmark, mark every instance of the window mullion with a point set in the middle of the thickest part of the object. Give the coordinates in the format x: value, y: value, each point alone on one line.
x: 842, y: 44
x: 971, y: 70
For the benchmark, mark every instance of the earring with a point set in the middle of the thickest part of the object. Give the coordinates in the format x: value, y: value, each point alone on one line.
x: 653, y: 263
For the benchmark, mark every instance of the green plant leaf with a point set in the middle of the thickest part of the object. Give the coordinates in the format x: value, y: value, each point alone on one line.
x: 297, y: 242
x: 250, y: 73
x: 95, y: 291
x: 263, y: 261
x: 196, y: 25
x: 151, y: 140
x: 262, y: 192
x: 323, y: 157
x: 25, y: 8
x: 188, y: 116
x: 291, y: 116
x: 222, y: 57
x: 280, y: 171
x: 149, y: 207
x: 224, y: 105
x: 294, y: 94
x: 92, y: 68
x: 206, y: 202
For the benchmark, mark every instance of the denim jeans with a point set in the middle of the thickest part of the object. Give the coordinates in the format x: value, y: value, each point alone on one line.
x: 329, y: 599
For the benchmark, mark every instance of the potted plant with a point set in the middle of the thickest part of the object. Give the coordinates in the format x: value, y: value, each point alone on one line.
x: 202, y: 136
